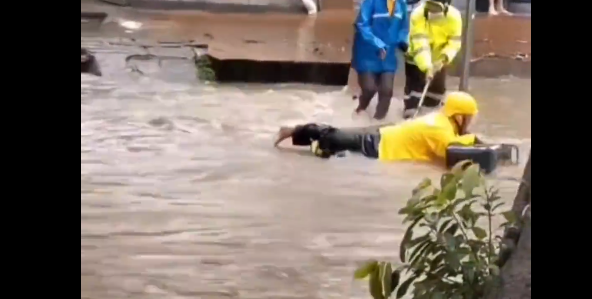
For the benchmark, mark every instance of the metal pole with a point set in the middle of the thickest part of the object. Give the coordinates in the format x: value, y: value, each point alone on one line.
x: 467, y: 45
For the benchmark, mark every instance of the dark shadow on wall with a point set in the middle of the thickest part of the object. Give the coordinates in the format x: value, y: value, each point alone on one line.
x: 234, y: 70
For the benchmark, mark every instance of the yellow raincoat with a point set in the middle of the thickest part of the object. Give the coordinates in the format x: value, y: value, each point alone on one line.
x: 430, y: 39
x: 421, y: 139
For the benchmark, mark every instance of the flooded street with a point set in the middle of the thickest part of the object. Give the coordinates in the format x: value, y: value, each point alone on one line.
x: 183, y: 195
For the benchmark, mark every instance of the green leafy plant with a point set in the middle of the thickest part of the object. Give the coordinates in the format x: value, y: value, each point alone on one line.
x: 204, y: 69
x: 451, y: 256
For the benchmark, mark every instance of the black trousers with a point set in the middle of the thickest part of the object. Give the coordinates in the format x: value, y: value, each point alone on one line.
x: 333, y: 140
x: 370, y: 83
x: 415, y: 81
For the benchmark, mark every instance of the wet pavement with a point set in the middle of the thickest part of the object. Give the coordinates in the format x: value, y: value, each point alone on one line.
x: 183, y: 195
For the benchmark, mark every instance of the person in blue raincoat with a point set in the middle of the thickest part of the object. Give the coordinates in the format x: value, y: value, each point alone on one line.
x: 382, y: 27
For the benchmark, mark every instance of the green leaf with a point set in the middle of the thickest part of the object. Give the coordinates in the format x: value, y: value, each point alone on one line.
x: 387, y: 274
x: 432, y: 219
x: 468, y: 215
x: 428, y: 198
x: 421, y: 254
x: 406, y: 210
x: 418, y: 249
x: 479, y: 233
x: 453, y: 260
x: 471, y: 179
x: 446, y: 179
x: 405, y: 286
x: 436, y: 192
x: 463, y: 252
x: 461, y: 200
x: 406, y: 240
x: 469, y: 274
x: 496, y: 206
x: 365, y: 270
x: 510, y: 216
x: 439, y: 273
x: 448, y: 193
x: 437, y: 261
x: 493, y: 195
x: 475, y: 245
x: 450, y: 241
x: 416, y: 241
x: 457, y: 169
x: 395, y: 278
x: 453, y: 229
x: 375, y: 285
x: 424, y: 184
x: 437, y: 295
x: 444, y: 226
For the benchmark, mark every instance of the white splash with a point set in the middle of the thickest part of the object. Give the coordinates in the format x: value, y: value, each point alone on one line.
x: 132, y: 25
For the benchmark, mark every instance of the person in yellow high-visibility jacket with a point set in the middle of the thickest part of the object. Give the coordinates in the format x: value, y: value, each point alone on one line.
x: 434, y: 40
x: 423, y: 139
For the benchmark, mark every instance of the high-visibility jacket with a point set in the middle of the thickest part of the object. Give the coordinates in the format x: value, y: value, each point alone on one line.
x: 376, y: 28
x: 420, y: 139
x: 432, y: 37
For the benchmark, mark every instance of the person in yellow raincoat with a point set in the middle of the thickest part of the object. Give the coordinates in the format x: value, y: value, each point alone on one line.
x: 434, y: 40
x: 422, y: 139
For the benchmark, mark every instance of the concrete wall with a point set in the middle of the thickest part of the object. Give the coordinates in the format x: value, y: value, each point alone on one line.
x: 520, y: 6
x: 294, y: 6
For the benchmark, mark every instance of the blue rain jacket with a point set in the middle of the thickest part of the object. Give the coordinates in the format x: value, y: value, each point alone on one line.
x: 375, y: 29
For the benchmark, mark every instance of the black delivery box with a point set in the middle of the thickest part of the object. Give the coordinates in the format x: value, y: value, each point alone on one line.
x: 488, y: 156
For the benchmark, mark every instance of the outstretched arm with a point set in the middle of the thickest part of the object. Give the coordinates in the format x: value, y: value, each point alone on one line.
x: 441, y: 139
x: 283, y: 134
x: 302, y: 135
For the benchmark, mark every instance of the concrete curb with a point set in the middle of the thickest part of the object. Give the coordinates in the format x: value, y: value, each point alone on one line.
x: 93, y: 15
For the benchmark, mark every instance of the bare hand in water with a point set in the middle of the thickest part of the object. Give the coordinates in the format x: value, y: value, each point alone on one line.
x: 283, y: 134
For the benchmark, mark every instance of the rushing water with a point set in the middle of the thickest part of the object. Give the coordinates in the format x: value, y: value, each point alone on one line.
x: 183, y: 195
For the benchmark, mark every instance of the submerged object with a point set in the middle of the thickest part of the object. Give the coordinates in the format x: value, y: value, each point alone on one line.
x: 488, y: 156
x: 88, y: 63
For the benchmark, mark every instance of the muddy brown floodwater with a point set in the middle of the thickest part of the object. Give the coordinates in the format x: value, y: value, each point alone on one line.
x: 183, y: 196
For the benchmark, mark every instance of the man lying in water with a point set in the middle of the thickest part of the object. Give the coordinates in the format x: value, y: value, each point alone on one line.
x: 421, y: 139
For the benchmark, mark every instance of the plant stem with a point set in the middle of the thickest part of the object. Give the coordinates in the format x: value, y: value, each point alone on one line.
x: 460, y: 225
x: 489, y: 216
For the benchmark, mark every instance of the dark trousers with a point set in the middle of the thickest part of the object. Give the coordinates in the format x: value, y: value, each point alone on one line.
x: 415, y: 81
x: 370, y: 83
x: 333, y: 140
